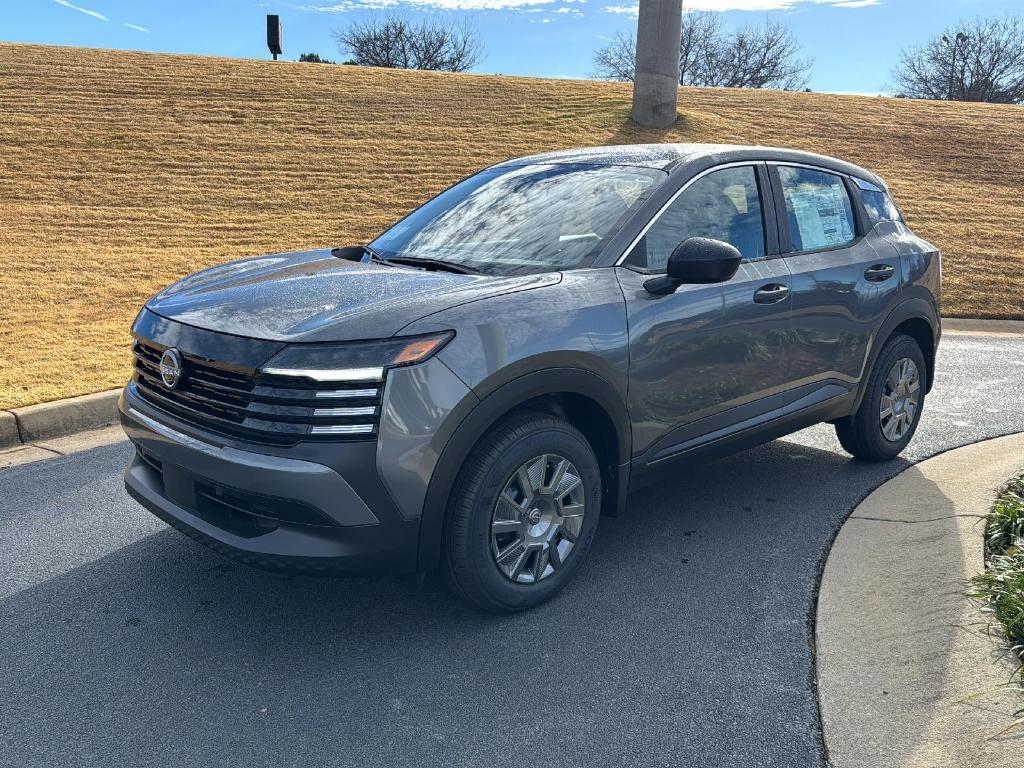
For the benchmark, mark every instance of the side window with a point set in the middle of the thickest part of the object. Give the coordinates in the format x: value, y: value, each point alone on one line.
x: 724, y: 205
x: 818, y: 208
x: 877, y: 203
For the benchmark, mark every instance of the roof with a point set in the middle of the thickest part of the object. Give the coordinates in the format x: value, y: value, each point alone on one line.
x: 668, y: 156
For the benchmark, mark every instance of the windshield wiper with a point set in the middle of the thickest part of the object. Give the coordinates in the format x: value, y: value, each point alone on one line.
x: 447, y: 266
x: 355, y: 253
x: 412, y: 261
x: 375, y: 256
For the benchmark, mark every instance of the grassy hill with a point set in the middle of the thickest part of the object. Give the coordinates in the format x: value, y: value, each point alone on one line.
x: 123, y: 171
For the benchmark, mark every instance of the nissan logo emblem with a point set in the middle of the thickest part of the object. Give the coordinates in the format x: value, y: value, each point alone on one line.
x: 171, y: 367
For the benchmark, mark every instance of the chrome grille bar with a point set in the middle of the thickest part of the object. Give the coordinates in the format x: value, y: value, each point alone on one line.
x: 335, y: 374
x: 347, y: 393
x: 343, y: 429
x: 368, y: 410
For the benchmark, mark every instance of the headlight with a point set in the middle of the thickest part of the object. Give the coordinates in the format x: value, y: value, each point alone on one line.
x: 354, y: 361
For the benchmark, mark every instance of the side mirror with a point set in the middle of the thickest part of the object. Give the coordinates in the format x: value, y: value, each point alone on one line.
x: 696, y: 261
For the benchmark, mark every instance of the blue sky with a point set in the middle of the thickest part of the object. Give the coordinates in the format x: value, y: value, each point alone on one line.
x: 854, y: 43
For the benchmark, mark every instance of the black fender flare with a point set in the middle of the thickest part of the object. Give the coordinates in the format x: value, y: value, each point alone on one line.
x: 915, y: 308
x: 473, y: 418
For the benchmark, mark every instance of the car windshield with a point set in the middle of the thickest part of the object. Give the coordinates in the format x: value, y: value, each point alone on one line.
x: 522, y: 219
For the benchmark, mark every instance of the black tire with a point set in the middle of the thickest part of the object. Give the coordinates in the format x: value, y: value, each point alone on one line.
x: 861, y: 434
x: 470, y: 563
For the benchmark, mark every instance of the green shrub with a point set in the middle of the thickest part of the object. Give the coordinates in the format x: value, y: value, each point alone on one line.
x: 1001, y: 588
x: 314, y: 58
x: 1004, y: 528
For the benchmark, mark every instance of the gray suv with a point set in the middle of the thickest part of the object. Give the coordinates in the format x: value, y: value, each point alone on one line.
x: 477, y: 386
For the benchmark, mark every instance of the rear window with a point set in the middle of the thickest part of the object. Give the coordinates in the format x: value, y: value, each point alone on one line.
x: 818, y: 208
x: 877, y: 202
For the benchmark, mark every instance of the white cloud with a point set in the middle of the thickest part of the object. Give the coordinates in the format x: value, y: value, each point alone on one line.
x: 749, y: 5
x: 771, y: 5
x: 346, y: 6
x: 78, y: 8
x: 136, y: 27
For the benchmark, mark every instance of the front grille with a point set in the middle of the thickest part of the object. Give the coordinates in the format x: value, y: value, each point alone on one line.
x: 278, y: 410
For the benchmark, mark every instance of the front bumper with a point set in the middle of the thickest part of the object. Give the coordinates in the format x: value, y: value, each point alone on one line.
x: 267, y: 510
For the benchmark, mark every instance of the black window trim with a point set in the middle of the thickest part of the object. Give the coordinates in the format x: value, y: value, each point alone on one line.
x: 769, y: 223
x: 860, y: 218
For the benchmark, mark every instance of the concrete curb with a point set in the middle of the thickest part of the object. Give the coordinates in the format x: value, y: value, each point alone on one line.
x: 907, y: 675
x: 9, y: 436
x: 983, y: 327
x: 33, y: 423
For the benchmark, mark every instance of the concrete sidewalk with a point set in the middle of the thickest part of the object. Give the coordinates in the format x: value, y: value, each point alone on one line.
x: 899, y: 646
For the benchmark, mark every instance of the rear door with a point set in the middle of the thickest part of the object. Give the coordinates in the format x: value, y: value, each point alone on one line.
x: 844, y: 282
x: 707, y: 358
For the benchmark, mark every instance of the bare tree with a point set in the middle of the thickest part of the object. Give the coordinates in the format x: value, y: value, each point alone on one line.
x: 758, y: 57
x: 400, y: 43
x: 979, y: 61
x: 699, y: 44
x: 617, y: 60
x: 750, y: 57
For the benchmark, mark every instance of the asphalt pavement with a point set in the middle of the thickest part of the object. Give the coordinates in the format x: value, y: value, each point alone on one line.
x: 686, y: 639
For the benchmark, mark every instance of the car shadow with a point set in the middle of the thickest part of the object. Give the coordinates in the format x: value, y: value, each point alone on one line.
x: 684, y: 639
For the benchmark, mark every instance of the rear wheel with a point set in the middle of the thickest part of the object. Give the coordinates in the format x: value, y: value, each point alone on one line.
x: 523, y: 513
x: 888, y: 415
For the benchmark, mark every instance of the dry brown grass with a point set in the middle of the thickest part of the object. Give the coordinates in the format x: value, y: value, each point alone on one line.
x: 123, y: 171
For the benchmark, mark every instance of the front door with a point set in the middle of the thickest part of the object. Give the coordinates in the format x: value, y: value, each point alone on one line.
x: 707, y: 357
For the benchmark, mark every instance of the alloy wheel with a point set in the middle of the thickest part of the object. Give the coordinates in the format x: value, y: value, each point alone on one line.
x: 537, y: 518
x: 900, y: 396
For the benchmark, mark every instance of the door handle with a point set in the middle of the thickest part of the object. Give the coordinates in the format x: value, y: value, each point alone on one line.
x: 876, y: 273
x: 770, y: 294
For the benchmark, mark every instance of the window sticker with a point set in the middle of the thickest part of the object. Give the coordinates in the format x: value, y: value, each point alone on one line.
x: 821, y: 216
x: 819, y: 207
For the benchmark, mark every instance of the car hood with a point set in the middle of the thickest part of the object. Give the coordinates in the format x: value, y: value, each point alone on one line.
x: 314, y: 296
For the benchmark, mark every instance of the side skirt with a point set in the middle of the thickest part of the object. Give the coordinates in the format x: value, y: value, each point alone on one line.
x: 829, y: 402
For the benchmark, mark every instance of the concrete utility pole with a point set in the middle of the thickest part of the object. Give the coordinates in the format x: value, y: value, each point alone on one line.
x: 656, y: 82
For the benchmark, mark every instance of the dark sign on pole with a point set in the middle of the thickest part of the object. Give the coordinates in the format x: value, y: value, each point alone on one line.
x: 274, y: 34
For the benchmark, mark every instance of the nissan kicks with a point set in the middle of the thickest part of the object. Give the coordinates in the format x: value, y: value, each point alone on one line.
x: 476, y: 387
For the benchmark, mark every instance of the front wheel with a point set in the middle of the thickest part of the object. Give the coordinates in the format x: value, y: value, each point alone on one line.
x: 523, y: 513
x: 891, y: 409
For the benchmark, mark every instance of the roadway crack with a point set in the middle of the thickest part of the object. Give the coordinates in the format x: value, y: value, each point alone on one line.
x: 914, y: 522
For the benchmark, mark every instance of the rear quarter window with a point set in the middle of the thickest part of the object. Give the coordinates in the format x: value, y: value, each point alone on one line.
x: 878, y: 205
